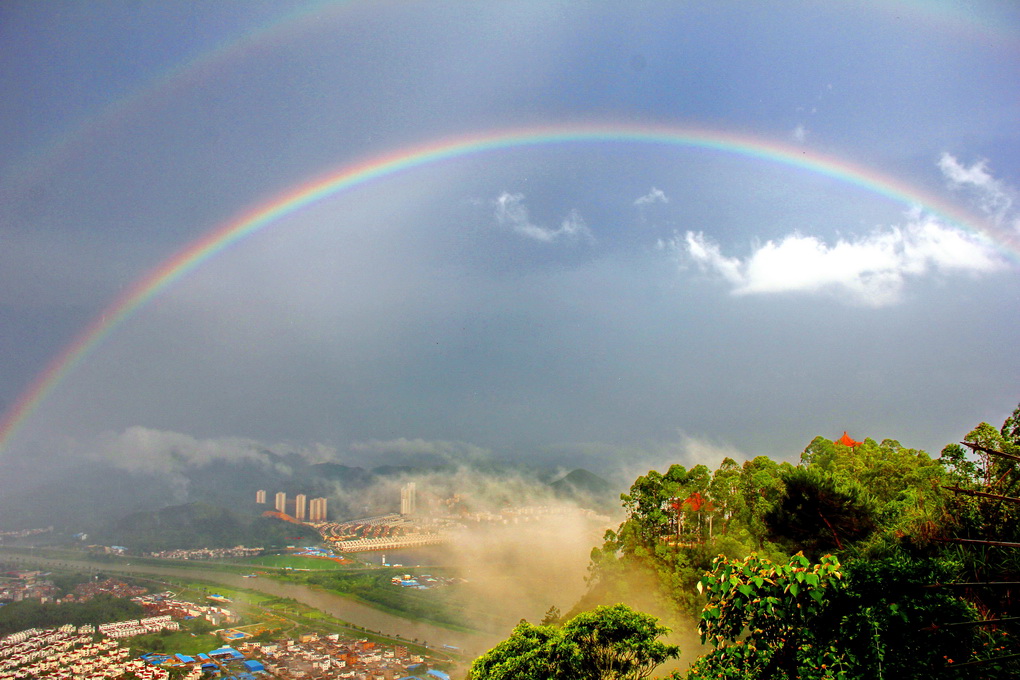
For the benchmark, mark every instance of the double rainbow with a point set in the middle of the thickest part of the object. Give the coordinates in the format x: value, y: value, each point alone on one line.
x: 222, y: 237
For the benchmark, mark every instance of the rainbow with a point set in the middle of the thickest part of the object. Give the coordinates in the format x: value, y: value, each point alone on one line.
x: 34, y: 166
x: 222, y: 237
x: 988, y: 25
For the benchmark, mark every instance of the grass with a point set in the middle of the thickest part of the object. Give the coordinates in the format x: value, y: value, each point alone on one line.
x: 294, y: 562
x: 175, y: 642
x: 372, y: 587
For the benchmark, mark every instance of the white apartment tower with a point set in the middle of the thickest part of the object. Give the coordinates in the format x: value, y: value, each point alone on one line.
x: 407, y: 499
x: 281, y: 502
x: 299, y: 506
x: 317, y: 510
x: 260, y: 496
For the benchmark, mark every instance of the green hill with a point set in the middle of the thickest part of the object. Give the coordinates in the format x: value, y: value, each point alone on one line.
x: 201, y: 525
x: 586, y: 489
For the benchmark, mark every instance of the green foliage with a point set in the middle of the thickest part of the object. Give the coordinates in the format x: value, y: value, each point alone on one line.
x: 607, y: 643
x: 201, y: 525
x: 986, y: 518
x: 759, y: 617
x: 103, y: 608
x: 889, y: 512
x: 676, y: 523
x: 530, y: 653
x: 869, y: 619
x: 552, y: 616
x: 820, y: 513
x: 891, y: 621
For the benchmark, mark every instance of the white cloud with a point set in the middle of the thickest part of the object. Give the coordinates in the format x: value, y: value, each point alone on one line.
x: 800, y: 133
x: 869, y: 270
x: 653, y: 196
x: 511, y: 212
x: 623, y: 463
x: 993, y: 196
x: 699, y: 450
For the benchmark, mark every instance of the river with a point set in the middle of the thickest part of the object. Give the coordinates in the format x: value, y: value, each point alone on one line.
x: 345, y: 609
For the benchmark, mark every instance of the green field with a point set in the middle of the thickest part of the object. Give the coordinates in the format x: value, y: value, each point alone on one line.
x: 293, y: 562
x: 175, y: 642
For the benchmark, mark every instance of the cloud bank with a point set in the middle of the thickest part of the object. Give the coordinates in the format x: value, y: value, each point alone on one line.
x: 869, y: 270
x: 146, y: 450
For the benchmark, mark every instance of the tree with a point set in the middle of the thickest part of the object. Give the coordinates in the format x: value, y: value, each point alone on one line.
x: 530, y: 653
x: 761, y: 488
x: 552, y: 616
x: 724, y: 491
x: 868, y: 619
x: 980, y: 512
x: 617, y: 642
x: 607, y: 643
x: 819, y: 514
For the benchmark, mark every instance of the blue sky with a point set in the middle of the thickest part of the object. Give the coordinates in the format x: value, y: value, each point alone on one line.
x: 612, y: 305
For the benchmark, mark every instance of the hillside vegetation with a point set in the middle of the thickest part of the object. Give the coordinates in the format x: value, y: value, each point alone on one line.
x: 202, y: 525
x: 865, y: 560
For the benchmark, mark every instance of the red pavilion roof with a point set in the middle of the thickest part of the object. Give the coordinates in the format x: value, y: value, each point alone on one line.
x: 845, y: 440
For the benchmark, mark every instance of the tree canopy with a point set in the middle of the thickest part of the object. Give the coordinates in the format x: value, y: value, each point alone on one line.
x: 866, y: 560
x: 607, y: 643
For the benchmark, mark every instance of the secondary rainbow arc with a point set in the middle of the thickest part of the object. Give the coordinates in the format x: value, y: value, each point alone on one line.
x: 220, y: 238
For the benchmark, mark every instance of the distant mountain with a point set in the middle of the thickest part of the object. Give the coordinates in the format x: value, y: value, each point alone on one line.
x: 94, y: 497
x: 410, y: 470
x: 81, y: 499
x: 201, y: 525
x: 586, y: 489
x: 349, y: 477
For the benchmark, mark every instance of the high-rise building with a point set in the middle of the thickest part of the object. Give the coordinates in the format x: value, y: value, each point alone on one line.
x: 317, y: 510
x: 260, y: 496
x: 281, y: 502
x: 299, y: 506
x: 407, y: 499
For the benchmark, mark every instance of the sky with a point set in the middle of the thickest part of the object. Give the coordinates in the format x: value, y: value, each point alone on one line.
x: 601, y: 235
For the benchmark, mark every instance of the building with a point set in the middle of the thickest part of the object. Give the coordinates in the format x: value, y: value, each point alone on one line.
x: 281, y: 502
x: 848, y: 441
x: 260, y: 496
x: 317, y: 510
x: 407, y: 499
x: 299, y: 506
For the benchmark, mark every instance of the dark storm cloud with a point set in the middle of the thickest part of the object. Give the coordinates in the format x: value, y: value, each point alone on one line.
x: 513, y: 302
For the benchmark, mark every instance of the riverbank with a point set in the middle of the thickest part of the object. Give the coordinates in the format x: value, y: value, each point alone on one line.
x: 358, y: 614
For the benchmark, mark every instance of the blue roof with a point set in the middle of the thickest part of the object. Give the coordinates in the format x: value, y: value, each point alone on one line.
x: 227, y: 650
x: 438, y: 674
x: 253, y: 665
